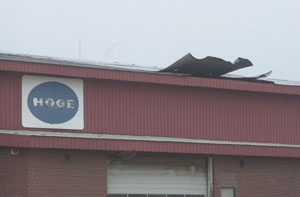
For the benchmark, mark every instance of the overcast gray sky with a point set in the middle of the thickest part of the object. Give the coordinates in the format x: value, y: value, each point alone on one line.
x: 157, y: 32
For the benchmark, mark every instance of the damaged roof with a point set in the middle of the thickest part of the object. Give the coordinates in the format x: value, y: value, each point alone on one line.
x: 209, y: 67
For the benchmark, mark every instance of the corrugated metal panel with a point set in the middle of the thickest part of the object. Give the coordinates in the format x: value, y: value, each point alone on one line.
x: 154, y: 110
x: 10, y: 100
x: 142, y: 109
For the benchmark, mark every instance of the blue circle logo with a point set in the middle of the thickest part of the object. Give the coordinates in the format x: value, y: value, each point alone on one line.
x: 53, y: 102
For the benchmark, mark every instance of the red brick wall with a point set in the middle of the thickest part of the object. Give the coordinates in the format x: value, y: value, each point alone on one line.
x: 46, y: 172
x: 13, y: 173
x: 258, y: 177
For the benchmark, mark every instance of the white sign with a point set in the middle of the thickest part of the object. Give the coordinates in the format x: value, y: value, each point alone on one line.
x: 51, y: 102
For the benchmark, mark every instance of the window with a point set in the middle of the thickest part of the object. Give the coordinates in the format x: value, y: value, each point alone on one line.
x: 175, y: 195
x: 137, y: 195
x: 117, y: 195
x: 154, y: 195
x: 227, y: 192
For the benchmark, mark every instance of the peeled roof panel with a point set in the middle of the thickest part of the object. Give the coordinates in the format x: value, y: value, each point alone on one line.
x: 254, y: 78
x: 206, y: 67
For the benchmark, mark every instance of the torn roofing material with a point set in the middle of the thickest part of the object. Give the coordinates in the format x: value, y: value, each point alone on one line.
x: 206, y: 67
x: 213, y: 67
x: 250, y: 79
x: 135, y: 68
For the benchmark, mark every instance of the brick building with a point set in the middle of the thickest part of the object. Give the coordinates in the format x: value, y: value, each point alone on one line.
x: 72, y: 128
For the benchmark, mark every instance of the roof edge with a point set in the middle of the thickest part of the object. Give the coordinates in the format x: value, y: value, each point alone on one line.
x: 68, y: 68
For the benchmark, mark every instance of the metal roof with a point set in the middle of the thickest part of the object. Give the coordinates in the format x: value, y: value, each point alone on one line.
x: 145, y: 69
x: 77, y: 63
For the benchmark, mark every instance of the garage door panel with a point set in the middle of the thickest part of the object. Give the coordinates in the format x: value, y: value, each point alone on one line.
x: 158, y: 185
x: 153, y: 179
x: 156, y: 163
x: 150, y: 173
x: 158, y: 191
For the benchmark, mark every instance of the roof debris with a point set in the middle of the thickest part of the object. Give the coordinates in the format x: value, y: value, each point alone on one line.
x: 211, y: 67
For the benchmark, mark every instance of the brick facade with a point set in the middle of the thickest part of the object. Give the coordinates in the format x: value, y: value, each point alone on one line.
x: 57, y: 172
x: 257, y: 176
x: 52, y: 172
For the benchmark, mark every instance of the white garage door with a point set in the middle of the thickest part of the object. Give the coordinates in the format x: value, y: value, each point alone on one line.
x: 152, y: 176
